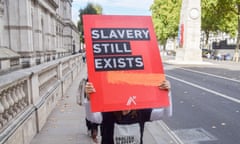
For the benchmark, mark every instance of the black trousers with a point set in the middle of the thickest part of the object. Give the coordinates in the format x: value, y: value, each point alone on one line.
x: 91, y: 126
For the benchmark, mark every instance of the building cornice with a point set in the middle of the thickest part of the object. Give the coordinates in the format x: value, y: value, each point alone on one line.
x: 70, y: 23
x: 53, y: 3
x: 70, y: 2
x: 46, y: 4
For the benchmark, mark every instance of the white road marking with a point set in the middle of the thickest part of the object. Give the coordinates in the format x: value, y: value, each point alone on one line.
x: 170, y: 132
x: 203, y: 73
x: 205, y: 89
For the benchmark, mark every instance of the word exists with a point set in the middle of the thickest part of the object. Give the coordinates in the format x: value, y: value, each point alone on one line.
x: 118, y: 63
x: 112, y: 49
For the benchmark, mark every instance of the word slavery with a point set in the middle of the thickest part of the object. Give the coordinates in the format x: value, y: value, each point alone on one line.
x: 112, y: 51
x: 120, y: 34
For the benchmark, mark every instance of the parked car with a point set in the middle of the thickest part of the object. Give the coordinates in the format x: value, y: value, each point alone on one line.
x: 218, y: 57
x: 171, y: 53
x: 206, y: 53
x: 228, y: 57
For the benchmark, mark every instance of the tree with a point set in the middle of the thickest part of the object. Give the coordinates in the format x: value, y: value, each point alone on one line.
x: 209, y: 19
x: 230, y: 11
x: 217, y: 16
x: 89, y: 9
x: 215, y: 19
x: 166, y: 15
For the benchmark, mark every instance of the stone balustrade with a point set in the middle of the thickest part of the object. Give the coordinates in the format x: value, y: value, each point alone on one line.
x: 13, y: 100
x: 28, y: 96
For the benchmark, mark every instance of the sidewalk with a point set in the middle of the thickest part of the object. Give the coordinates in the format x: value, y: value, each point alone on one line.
x: 205, y: 62
x: 66, y: 124
x: 224, y: 64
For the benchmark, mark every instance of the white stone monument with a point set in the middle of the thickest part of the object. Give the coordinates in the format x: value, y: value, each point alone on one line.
x: 190, y: 20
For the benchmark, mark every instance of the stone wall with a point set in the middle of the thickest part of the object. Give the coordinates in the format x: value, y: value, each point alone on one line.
x: 28, y: 96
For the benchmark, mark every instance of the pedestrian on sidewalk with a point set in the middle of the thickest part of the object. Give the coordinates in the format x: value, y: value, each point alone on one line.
x: 92, y: 128
x: 126, y: 126
x: 84, y: 57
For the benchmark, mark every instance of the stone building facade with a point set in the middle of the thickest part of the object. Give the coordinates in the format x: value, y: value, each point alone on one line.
x: 36, y: 31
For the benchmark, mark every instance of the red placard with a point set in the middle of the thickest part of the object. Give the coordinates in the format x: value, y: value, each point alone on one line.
x: 123, y: 62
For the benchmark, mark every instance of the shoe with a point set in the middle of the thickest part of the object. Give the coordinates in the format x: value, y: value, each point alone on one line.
x: 95, y: 140
x: 94, y: 136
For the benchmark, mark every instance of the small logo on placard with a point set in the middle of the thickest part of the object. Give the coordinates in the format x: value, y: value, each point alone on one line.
x: 131, y: 100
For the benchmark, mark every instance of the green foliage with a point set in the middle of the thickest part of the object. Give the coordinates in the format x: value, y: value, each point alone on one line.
x: 216, y: 16
x: 89, y: 9
x: 208, y: 16
x: 166, y: 15
x: 219, y: 15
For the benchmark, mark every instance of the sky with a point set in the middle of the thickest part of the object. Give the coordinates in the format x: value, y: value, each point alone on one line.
x: 114, y: 7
